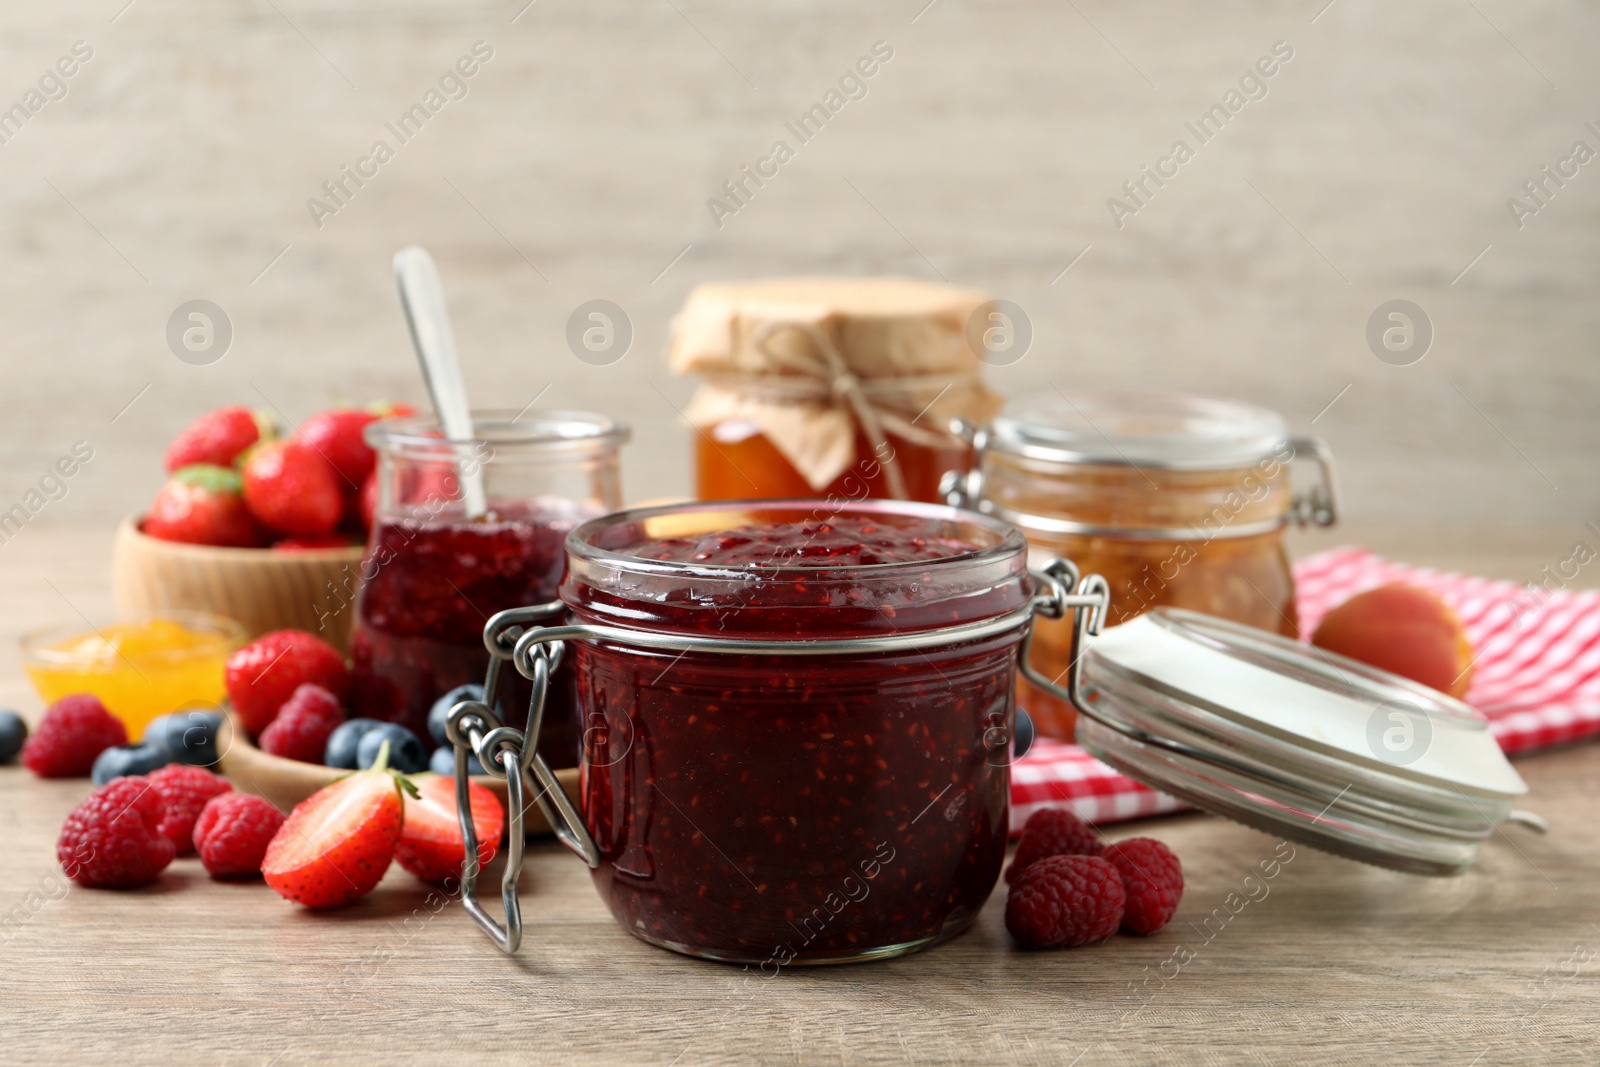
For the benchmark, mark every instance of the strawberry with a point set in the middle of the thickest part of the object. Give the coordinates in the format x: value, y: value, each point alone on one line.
x: 218, y: 437
x: 203, y: 504
x: 263, y: 675
x: 391, y: 409
x: 337, y: 843
x: 292, y: 489
x: 337, y: 435
x: 430, y: 843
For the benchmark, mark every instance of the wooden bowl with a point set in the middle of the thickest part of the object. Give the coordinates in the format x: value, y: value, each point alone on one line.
x: 262, y: 589
x: 287, y: 782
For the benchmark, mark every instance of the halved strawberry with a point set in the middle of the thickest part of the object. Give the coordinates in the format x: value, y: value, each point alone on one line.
x: 337, y: 843
x: 430, y: 844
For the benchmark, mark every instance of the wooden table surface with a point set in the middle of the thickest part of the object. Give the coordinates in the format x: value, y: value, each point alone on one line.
x: 1330, y: 962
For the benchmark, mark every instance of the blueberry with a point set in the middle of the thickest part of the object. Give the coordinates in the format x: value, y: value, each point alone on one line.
x: 13, y: 731
x: 444, y: 762
x: 342, y: 743
x: 1023, y: 740
x: 439, y: 714
x: 128, y: 759
x: 187, y: 736
x: 406, y: 753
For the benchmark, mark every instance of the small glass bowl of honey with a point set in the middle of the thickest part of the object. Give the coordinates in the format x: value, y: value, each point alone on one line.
x: 140, y: 668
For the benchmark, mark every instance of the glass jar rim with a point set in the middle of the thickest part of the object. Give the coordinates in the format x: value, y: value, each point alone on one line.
x: 39, y: 645
x: 1140, y: 428
x: 538, y: 430
x: 582, y: 546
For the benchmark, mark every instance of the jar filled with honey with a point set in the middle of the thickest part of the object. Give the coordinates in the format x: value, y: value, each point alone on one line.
x: 833, y: 388
x: 1177, y: 500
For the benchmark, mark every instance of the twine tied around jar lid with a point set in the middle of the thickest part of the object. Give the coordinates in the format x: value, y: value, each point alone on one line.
x: 827, y: 378
x: 816, y: 364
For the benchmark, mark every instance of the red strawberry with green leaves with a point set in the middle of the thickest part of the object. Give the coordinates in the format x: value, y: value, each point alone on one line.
x: 263, y: 675
x: 203, y: 504
x: 218, y: 437
x: 431, y: 846
x: 291, y: 488
x: 337, y: 843
x: 337, y: 436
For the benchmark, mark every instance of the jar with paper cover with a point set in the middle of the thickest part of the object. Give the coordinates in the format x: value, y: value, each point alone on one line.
x: 838, y: 388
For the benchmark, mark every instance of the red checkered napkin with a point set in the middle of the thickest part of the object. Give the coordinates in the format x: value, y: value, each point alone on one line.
x: 1536, y: 677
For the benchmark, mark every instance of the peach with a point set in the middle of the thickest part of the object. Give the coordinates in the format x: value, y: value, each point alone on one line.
x: 1403, y: 630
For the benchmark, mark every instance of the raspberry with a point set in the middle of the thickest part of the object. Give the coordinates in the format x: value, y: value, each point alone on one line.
x: 303, y: 725
x: 232, y: 834
x: 1053, y: 832
x: 184, y: 790
x: 1062, y: 901
x: 72, y: 734
x: 113, y: 840
x: 1153, y: 880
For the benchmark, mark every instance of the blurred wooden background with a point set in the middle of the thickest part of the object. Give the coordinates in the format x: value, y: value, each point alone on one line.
x: 579, y: 164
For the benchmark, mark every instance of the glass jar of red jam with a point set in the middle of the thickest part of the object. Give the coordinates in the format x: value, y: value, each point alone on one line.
x: 1176, y: 500
x: 438, y: 567
x: 758, y: 797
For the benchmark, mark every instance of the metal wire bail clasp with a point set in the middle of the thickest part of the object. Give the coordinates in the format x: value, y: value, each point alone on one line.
x: 964, y: 488
x: 512, y: 754
x: 1319, y: 505
x: 1057, y: 591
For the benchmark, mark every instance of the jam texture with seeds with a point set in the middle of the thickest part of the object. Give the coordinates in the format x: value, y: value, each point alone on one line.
x: 430, y: 586
x: 780, y: 809
x: 845, y: 541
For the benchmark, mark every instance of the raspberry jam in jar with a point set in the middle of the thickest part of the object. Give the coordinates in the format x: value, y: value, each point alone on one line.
x: 783, y: 805
x: 435, y: 572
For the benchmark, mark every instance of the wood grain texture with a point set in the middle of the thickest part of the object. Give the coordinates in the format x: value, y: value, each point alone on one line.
x: 1336, y: 963
x: 264, y: 590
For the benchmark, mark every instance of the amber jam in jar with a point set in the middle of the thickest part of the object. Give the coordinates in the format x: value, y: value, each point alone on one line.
x: 836, y: 388
x: 435, y: 572
x: 774, y: 809
x: 1176, y: 500
x: 734, y: 461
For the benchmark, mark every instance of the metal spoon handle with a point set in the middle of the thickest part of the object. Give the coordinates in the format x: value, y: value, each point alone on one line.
x: 422, y: 297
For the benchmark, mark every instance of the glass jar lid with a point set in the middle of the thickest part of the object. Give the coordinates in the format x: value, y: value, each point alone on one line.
x: 1294, y: 740
x: 1168, y: 431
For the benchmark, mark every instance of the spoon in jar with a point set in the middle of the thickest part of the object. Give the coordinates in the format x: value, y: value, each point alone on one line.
x: 422, y: 297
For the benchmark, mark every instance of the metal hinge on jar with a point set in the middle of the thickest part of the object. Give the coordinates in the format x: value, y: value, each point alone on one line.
x: 512, y: 754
